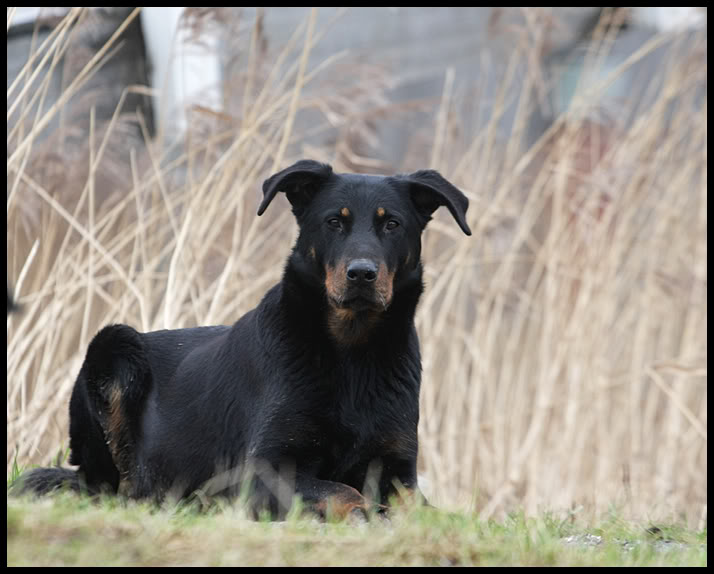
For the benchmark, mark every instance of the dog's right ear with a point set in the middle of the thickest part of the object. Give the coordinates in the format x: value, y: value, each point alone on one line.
x: 300, y: 182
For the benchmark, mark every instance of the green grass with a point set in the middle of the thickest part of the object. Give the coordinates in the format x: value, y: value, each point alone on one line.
x: 69, y: 530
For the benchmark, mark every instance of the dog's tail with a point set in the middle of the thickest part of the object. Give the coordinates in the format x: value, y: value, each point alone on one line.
x: 41, y: 481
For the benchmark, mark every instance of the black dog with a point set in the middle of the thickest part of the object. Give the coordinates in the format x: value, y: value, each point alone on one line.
x: 322, y: 377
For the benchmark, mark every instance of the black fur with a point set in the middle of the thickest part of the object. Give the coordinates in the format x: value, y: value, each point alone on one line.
x: 319, y: 383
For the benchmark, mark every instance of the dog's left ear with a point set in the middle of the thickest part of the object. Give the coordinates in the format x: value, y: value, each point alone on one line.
x: 429, y: 190
x: 300, y: 182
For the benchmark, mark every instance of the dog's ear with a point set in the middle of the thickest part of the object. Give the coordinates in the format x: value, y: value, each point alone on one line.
x: 300, y: 182
x: 429, y: 190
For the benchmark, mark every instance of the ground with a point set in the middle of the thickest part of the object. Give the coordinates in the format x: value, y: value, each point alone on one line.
x: 68, y: 530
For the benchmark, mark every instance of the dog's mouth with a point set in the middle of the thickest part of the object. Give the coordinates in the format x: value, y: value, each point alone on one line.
x: 351, y: 319
x: 372, y: 295
x: 358, y: 302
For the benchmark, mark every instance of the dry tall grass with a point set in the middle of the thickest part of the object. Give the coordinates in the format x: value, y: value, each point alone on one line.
x: 564, y: 343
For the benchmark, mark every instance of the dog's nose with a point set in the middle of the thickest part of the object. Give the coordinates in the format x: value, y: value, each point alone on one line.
x: 362, y: 271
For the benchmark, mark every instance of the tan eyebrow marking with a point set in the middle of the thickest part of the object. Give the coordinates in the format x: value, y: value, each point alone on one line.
x: 345, y: 212
x: 380, y: 212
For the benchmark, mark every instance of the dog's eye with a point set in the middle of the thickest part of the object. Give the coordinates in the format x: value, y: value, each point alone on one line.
x: 392, y: 224
x: 334, y: 223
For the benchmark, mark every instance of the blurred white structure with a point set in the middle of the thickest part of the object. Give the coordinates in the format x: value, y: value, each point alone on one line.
x: 669, y: 18
x: 183, y: 71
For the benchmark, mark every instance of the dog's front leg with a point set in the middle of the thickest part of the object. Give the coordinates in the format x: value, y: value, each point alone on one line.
x: 274, y: 491
x: 328, y: 498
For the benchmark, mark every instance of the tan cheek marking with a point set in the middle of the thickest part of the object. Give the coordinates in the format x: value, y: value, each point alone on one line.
x: 335, y: 280
x: 384, y: 284
x: 312, y: 253
x: 330, y: 279
x: 380, y: 212
x: 345, y: 212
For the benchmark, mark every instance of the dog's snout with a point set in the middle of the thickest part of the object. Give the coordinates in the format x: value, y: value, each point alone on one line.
x: 362, y: 271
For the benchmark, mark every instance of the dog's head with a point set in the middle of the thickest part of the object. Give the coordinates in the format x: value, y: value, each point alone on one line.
x: 360, y: 235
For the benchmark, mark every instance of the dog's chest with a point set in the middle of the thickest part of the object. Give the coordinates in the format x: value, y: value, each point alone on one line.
x: 366, y: 411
